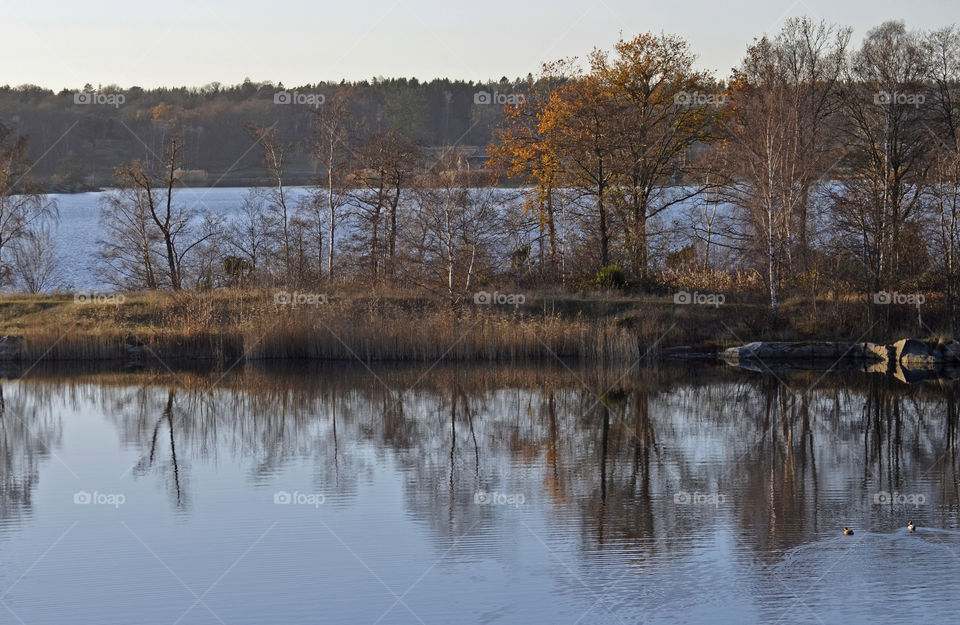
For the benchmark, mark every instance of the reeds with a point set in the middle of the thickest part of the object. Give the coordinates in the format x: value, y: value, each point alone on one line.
x: 229, y: 325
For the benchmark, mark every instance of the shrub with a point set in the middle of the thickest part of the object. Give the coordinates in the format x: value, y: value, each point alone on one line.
x: 610, y: 277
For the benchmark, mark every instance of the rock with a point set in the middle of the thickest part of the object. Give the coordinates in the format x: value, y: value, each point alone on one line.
x: 873, y: 351
x: 909, y: 352
x: 885, y: 367
x: 908, y: 360
x: 798, y: 352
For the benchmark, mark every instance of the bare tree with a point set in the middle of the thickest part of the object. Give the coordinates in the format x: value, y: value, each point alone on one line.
x: 252, y: 234
x: 782, y: 97
x: 943, y: 50
x: 145, y: 227
x: 36, y: 262
x: 457, y: 219
x: 129, y: 248
x: 24, y: 210
x: 155, y: 184
x: 386, y: 164
x: 275, y: 160
x: 332, y: 148
x: 879, y: 200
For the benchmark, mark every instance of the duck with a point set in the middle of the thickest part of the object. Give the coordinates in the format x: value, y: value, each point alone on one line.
x: 847, y: 531
x: 911, y: 527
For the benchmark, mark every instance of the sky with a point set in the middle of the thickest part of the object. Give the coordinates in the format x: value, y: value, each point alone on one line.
x: 68, y: 43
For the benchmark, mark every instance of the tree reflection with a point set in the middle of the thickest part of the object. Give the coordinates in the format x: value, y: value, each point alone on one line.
x: 29, y: 432
x: 790, y: 452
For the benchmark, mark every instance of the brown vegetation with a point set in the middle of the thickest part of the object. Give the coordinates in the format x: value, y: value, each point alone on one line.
x: 225, y: 325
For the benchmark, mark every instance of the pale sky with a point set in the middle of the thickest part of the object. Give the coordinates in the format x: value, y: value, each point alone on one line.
x: 68, y: 43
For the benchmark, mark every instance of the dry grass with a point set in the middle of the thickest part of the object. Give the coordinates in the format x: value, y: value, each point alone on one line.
x: 227, y: 325
x: 598, y: 328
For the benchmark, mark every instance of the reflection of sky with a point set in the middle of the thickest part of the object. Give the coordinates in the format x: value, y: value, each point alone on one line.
x: 395, y: 512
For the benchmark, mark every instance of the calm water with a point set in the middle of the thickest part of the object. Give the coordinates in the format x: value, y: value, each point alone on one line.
x: 468, y: 495
x: 78, y: 232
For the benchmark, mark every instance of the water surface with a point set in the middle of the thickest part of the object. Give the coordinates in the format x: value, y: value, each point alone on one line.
x: 473, y: 495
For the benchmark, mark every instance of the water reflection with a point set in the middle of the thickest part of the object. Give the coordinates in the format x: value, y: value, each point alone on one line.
x: 771, y: 446
x: 637, y: 470
x: 28, y: 430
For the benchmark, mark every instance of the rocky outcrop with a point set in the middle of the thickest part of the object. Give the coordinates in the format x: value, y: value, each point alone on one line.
x: 912, y: 353
x: 805, y: 352
x: 908, y: 360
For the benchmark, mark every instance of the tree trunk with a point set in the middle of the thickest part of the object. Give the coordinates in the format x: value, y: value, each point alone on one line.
x: 332, y: 209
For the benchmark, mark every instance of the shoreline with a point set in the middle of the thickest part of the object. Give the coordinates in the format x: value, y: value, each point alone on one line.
x: 367, y: 325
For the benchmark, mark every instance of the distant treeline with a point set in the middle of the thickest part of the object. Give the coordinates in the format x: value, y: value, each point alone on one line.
x: 816, y: 170
x: 76, y: 138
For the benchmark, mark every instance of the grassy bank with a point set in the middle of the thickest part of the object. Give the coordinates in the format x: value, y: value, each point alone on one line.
x: 229, y: 324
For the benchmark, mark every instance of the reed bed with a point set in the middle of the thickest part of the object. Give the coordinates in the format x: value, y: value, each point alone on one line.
x: 226, y: 326
x: 446, y: 335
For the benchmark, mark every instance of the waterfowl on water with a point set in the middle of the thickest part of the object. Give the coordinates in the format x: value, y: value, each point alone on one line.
x: 911, y: 527
x: 847, y: 531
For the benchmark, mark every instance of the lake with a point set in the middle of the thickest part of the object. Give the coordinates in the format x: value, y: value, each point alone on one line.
x: 78, y: 232
x: 476, y: 495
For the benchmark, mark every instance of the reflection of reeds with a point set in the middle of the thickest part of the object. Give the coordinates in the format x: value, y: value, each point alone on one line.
x: 440, y: 335
x: 226, y: 325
